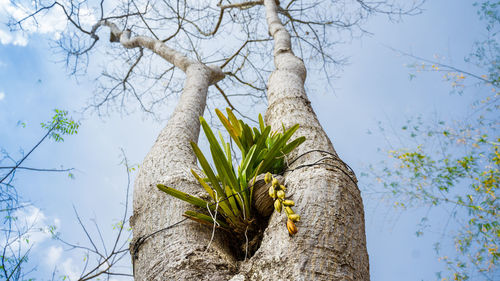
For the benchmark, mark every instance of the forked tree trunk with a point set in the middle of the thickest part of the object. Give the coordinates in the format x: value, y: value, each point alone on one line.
x: 330, y: 244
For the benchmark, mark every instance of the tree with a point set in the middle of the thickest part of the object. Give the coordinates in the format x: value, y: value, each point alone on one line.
x: 15, y: 244
x: 331, y: 243
x: 453, y: 165
x: 22, y: 220
x: 339, y: 206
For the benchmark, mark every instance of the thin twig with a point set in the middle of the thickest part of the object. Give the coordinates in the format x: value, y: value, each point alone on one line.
x: 28, y: 154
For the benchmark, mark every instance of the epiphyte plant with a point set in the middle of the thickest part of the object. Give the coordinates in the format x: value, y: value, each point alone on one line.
x: 231, y: 190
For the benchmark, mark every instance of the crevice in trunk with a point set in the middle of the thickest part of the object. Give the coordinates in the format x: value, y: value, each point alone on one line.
x: 239, y: 247
x: 247, y: 250
x: 262, y: 208
x: 242, y: 246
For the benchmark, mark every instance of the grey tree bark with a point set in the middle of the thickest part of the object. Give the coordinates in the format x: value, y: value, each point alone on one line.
x: 330, y: 244
x: 177, y: 254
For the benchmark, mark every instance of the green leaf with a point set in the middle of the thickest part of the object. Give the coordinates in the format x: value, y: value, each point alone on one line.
x: 293, y: 144
x: 232, y: 202
x: 226, y: 209
x: 261, y: 142
x: 275, y: 151
x: 246, y: 138
x: 205, y: 219
x: 261, y: 123
x: 185, y: 197
x: 256, y: 134
x: 247, y: 161
x: 234, y: 121
x: 226, y: 172
x: 61, y: 124
x: 206, y: 168
x: 234, y: 131
x: 207, y: 188
x: 214, y: 144
x: 227, y: 149
x: 254, y: 177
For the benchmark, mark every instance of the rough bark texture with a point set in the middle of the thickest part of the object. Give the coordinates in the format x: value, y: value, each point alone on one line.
x: 331, y: 243
x: 179, y: 253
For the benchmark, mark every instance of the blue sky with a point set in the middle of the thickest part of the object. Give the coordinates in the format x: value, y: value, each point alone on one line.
x: 375, y: 86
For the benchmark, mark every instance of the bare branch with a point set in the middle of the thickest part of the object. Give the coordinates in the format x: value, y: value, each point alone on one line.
x: 31, y: 151
x: 38, y: 169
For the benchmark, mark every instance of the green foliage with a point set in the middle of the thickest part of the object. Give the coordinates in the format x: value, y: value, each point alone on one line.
x: 455, y: 165
x: 486, y: 52
x: 61, y: 124
x: 465, y: 174
x: 261, y: 151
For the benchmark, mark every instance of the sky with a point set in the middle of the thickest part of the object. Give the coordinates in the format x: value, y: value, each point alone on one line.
x: 373, y: 87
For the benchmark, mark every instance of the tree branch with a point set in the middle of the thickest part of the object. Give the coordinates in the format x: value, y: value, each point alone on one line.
x: 28, y: 154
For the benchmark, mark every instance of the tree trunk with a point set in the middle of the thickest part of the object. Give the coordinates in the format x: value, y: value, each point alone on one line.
x: 179, y: 252
x: 331, y: 243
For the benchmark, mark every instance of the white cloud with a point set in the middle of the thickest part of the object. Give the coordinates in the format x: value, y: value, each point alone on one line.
x: 14, y: 38
x: 15, y: 10
x: 32, y: 215
x: 34, y: 227
x: 2, y: 96
x: 69, y: 269
x: 50, y: 22
x: 34, y: 221
x: 57, y: 223
x: 53, y: 255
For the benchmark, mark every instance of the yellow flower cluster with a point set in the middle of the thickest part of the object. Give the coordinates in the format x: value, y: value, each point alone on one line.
x: 277, y: 192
